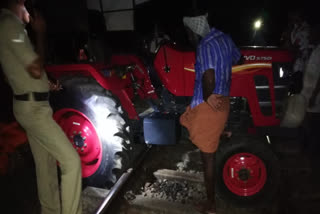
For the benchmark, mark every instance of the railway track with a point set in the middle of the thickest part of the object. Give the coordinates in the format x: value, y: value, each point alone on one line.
x: 153, y: 186
x: 169, y: 181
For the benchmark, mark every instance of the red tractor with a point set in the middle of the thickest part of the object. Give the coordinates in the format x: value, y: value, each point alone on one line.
x: 105, y: 107
x: 246, y: 166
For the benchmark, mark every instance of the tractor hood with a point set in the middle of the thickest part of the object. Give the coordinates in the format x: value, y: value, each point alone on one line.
x: 176, y: 68
x: 269, y: 54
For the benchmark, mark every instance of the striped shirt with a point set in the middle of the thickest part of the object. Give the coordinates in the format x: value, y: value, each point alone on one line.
x: 215, y: 51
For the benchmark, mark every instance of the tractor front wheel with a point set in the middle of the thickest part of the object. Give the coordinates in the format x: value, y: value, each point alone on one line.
x: 248, y: 172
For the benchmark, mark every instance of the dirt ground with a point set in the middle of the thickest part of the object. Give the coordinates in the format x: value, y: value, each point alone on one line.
x: 19, y: 188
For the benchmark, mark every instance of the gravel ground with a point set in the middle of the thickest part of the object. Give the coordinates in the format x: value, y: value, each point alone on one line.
x: 175, y: 191
x: 299, y: 190
x: 182, y: 158
x: 299, y: 193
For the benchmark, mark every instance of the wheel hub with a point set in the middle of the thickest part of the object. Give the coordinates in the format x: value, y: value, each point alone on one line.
x: 244, y: 174
x: 78, y: 140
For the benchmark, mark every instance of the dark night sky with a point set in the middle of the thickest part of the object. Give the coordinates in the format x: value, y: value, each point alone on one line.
x: 234, y: 19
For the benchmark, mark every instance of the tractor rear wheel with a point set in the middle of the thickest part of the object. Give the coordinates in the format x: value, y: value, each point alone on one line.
x: 248, y: 172
x: 96, y: 125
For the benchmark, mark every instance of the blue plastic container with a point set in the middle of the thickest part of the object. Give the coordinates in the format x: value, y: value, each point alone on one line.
x: 159, y: 130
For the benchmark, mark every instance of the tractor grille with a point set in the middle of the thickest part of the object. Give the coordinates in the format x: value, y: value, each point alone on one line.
x: 239, y: 117
x: 281, y: 77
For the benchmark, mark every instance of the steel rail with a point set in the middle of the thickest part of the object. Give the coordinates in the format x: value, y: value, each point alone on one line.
x: 120, y: 183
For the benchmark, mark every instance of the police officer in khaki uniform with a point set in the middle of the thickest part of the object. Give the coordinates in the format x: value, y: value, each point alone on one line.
x: 24, y: 71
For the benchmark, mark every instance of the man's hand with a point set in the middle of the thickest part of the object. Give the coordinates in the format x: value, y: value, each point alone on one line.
x: 55, y: 86
x: 34, y: 69
x: 216, y: 102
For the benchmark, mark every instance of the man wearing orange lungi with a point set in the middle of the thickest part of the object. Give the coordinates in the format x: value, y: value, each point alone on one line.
x: 208, y: 112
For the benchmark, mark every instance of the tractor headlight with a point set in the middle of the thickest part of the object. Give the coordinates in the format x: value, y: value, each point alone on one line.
x: 281, y: 72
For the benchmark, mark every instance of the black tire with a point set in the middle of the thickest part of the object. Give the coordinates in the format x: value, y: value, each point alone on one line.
x: 259, y: 148
x: 116, y: 144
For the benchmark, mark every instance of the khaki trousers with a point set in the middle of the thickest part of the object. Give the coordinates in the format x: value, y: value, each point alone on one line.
x: 49, y: 144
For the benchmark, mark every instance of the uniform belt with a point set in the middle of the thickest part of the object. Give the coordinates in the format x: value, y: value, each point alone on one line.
x: 37, y: 96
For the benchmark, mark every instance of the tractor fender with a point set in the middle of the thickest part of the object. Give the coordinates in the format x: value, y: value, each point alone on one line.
x: 111, y: 83
x: 126, y: 103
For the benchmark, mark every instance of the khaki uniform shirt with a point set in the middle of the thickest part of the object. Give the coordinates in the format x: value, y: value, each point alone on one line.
x: 16, y: 53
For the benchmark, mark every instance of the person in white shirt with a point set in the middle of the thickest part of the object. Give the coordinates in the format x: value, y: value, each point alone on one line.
x: 300, y: 46
x: 311, y: 91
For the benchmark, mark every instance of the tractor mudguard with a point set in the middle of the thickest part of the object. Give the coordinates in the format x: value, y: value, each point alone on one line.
x: 112, y: 82
x: 126, y: 77
x: 103, y: 75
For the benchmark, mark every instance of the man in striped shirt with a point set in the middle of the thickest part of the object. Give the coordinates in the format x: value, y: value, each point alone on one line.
x: 208, y: 112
